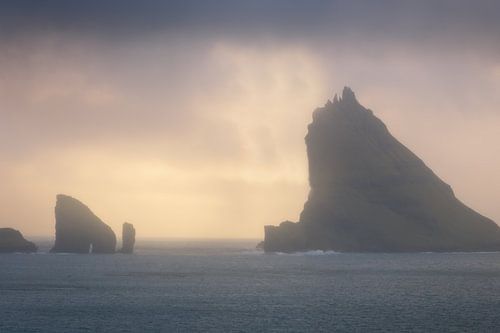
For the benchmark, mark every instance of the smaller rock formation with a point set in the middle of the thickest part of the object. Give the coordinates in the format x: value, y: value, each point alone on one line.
x: 78, y: 230
x: 12, y: 240
x: 128, y: 238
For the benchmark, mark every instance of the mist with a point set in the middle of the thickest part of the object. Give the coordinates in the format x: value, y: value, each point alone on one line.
x: 191, y: 122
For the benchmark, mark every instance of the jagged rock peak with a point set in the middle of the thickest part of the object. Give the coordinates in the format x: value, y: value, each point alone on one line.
x: 348, y: 94
x: 348, y: 97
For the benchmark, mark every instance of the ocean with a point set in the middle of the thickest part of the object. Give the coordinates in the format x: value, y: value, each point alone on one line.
x: 229, y: 286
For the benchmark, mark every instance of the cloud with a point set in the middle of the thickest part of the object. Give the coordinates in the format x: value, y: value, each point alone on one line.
x: 465, y: 25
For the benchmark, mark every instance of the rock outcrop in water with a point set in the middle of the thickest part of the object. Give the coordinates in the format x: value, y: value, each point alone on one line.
x: 12, y: 240
x: 369, y: 193
x: 128, y: 238
x: 78, y: 230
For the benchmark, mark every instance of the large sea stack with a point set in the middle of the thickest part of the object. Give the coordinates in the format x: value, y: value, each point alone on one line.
x: 369, y: 193
x: 128, y: 238
x: 78, y: 230
x: 12, y: 241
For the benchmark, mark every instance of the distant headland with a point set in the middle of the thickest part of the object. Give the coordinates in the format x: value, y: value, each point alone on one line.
x: 12, y: 240
x: 369, y: 193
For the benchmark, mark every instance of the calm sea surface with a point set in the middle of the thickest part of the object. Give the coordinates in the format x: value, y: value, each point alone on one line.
x: 227, y: 286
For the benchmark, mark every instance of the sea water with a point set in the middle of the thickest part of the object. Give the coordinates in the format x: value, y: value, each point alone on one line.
x: 228, y: 286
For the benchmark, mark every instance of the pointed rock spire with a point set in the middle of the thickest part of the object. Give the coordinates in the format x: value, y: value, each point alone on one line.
x: 128, y: 238
x: 335, y: 99
x: 348, y: 95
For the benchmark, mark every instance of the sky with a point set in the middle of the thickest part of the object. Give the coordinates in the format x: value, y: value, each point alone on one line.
x: 187, y: 118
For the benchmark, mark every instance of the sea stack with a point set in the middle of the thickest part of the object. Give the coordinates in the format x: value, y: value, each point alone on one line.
x: 369, y: 193
x: 12, y: 240
x: 78, y: 230
x: 128, y: 238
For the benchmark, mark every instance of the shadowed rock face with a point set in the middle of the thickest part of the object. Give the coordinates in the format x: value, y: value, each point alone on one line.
x: 12, y: 240
x: 369, y: 193
x: 78, y: 230
x: 128, y: 238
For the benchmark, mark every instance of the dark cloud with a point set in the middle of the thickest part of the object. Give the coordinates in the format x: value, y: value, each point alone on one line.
x: 417, y: 21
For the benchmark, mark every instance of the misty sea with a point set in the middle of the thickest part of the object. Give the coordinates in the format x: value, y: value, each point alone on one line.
x: 229, y: 286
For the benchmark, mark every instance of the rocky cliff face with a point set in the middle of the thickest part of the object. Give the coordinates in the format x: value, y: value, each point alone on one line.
x: 12, y: 240
x: 78, y: 230
x: 369, y: 193
x: 128, y: 238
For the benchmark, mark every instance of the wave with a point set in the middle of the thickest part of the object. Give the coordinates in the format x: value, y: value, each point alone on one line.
x: 253, y: 252
x: 310, y: 253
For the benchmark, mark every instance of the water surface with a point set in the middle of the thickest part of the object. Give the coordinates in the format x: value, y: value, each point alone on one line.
x: 228, y: 286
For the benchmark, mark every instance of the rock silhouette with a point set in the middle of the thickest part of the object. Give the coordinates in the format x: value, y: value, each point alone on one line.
x: 369, y: 193
x: 12, y: 240
x: 78, y: 230
x: 128, y: 238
